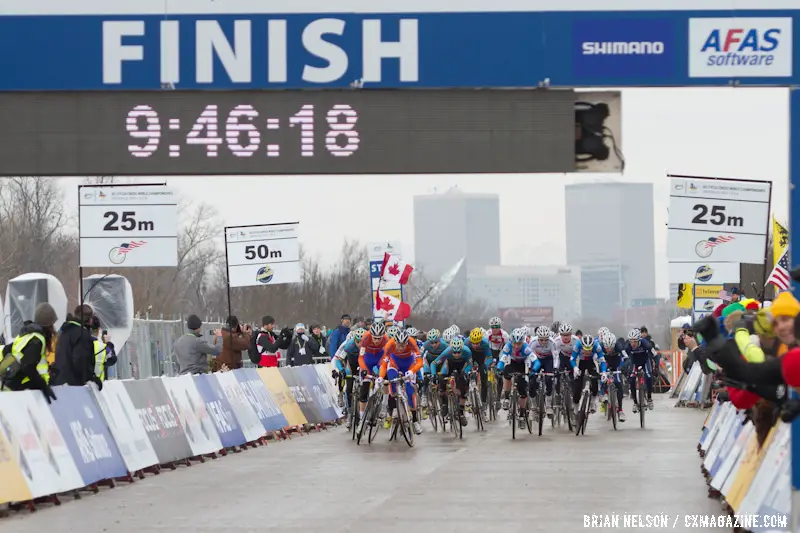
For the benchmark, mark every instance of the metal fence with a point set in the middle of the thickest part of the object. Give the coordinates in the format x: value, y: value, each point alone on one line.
x: 149, y: 353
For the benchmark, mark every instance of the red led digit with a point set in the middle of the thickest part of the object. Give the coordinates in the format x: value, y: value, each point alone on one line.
x: 342, y: 122
x: 151, y: 131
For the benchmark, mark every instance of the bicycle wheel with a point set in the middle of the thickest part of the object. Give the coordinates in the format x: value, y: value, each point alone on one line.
x: 355, y: 420
x: 540, y: 408
x: 612, y: 404
x: 433, y: 408
x: 452, y: 415
x: 492, y: 408
x: 514, y: 407
x: 586, y: 415
x: 582, y: 413
x: 366, y: 421
x: 374, y: 425
x: 404, y: 414
x: 479, y: 408
x: 642, y: 404
x: 566, y: 396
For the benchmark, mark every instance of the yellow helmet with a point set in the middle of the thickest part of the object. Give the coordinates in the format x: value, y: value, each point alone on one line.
x: 475, y: 336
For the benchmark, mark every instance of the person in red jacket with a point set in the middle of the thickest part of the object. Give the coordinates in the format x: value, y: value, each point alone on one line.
x: 267, y: 343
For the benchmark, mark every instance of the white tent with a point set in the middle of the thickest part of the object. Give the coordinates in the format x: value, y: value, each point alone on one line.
x: 24, y: 293
x: 111, y: 299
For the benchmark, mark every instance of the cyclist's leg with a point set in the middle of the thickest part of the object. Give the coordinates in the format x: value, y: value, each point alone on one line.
x: 484, y: 377
x: 522, y: 387
x: 443, y: 382
x: 632, y: 384
x: 577, y: 388
x: 547, y: 366
x: 507, y: 371
x: 648, y: 381
x: 620, y: 391
x: 463, y: 387
x: 391, y: 373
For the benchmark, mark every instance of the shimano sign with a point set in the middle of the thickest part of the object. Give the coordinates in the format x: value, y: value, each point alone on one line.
x: 623, y: 48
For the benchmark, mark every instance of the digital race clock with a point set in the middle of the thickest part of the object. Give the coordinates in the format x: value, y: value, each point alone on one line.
x: 287, y: 132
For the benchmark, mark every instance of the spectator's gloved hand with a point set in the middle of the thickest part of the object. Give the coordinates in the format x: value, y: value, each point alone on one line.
x: 97, y: 381
x: 286, y: 333
x: 335, y: 374
x: 49, y: 395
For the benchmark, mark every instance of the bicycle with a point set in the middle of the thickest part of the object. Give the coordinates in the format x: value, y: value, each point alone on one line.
x: 403, y: 419
x: 582, y: 417
x: 514, y: 398
x: 541, y: 391
x: 562, y: 404
x: 492, y: 396
x: 433, y: 403
x: 353, y: 415
x: 474, y: 396
x: 371, y: 413
x: 611, y: 389
x: 640, y: 391
x: 453, y: 406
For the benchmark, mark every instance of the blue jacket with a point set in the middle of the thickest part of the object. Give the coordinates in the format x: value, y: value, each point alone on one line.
x: 336, y: 338
x: 429, y: 353
x: 596, y: 354
x: 449, y: 355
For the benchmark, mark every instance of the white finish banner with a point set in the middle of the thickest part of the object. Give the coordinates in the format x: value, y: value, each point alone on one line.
x: 248, y: 419
x: 125, y: 425
x: 717, y: 220
x: 191, y: 409
x: 263, y: 255
x: 708, y: 273
x: 128, y: 226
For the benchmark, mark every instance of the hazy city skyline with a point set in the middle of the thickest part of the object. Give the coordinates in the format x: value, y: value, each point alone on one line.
x: 706, y: 132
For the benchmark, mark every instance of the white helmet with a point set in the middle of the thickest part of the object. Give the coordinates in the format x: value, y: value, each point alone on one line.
x: 565, y: 329
x: 413, y: 332
x: 448, y: 336
x: 587, y: 342
x: 602, y: 331
x: 608, y: 340
x: 517, y: 335
x: 543, y: 332
x: 495, y: 322
x: 634, y: 334
x: 524, y: 330
x: 350, y: 335
x: 391, y: 331
x: 455, y: 329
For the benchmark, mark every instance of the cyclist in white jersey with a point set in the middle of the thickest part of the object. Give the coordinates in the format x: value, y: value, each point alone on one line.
x: 565, y: 344
x: 497, y: 336
x: 546, y: 352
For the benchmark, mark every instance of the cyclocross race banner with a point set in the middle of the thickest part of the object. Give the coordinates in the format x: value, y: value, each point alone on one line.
x: 279, y: 390
x: 193, y: 415
x: 268, y: 411
x: 220, y: 410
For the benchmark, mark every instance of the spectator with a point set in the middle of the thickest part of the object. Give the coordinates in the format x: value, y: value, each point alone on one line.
x: 29, y: 350
x: 339, y: 335
x: 105, y: 356
x: 360, y: 323
x: 299, y: 351
x: 235, y: 340
x: 192, y: 351
x: 265, y: 345
x: 318, y: 341
x: 74, y: 360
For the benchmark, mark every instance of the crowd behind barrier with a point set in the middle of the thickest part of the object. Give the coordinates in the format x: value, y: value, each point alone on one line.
x: 87, y: 437
x: 749, y: 479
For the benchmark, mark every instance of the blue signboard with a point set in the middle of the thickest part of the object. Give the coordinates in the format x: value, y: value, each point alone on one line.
x: 220, y: 410
x: 375, y: 269
x: 382, y: 50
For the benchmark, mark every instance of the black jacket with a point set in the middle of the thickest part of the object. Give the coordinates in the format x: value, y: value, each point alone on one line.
x: 31, y: 355
x: 74, y: 361
x: 271, y: 342
x: 304, y: 344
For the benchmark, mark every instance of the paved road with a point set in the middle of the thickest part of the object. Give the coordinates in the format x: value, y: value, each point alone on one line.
x: 325, y: 483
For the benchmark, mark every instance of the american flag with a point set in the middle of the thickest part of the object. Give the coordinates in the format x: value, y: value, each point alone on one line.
x: 780, y: 274
x: 716, y: 241
x: 126, y: 247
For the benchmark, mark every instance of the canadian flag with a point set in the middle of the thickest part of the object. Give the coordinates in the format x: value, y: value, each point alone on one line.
x: 393, y: 269
x: 394, y: 308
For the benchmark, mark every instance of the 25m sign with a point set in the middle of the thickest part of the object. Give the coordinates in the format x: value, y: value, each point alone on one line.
x: 718, y: 215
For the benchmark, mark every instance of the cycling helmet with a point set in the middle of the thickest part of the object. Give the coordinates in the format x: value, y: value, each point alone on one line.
x: 634, y: 335
x: 565, y: 329
x: 457, y: 345
x: 392, y: 331
x: 412, y: 332
x: 608, y: 340
x: 433, y: 334
x: 542, y: 332
x: 401, y: 337
x: 602, y: 331
x: 587, y: 342
x: 350, y: 335
x: 448, y: 336
x: 377, y: 329
x: 555, y: 326
x: 495, y: 322
x: 517, y: 336
x: 456, y: 331
x: 475, y: 336
x: 358, y: 334
x: 524, y: 330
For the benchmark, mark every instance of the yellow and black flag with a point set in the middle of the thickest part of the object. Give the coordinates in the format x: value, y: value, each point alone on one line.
x: 780, y: 240
x: 685, y: 296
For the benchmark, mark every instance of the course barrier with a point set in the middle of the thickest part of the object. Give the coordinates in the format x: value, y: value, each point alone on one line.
x: 750, y: 480
x: 90, y: 438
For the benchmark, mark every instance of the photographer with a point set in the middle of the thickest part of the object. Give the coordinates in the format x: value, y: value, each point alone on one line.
x: 265, y: 345
x: 192, y: 351
x: 235, y: 340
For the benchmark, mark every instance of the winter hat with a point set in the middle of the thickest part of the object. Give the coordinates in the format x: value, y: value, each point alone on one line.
x: 785, y: 304
x: 763, y: 323
x: 790, y: 367
x: 194, y: 322
x: 299, y: 327
x: 45, y: 315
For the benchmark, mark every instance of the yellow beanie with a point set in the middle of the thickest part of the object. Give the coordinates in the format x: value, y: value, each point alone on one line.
x: 785, y: 304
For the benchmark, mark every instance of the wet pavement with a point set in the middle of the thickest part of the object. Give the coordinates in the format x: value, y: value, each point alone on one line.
x: 325, y: 483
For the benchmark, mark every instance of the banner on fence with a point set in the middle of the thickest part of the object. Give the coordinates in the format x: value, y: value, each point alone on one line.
x: 230, y: 433
x: 125, y: 426
x: 301, y: 394
x: 193, y: 416
x: 280, y: 392
x: 327, y: 381
x: 87, y: 435
x: 14, y: 487
x: 260, y: 399
x: 322, y: 401
x: 248, y: 420
x: 160, y: 421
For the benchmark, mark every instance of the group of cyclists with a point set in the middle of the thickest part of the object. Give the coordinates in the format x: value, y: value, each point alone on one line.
x: 383, y: 352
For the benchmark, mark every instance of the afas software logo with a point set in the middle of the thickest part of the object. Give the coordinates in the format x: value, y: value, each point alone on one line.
x: 757, y: 47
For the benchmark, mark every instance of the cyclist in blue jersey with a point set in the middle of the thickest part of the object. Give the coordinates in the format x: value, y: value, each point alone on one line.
x: 640, y: 350
x: 482, y: 356
x: 430, y: 350
x: 455, y: 359
x: 516, y: 357
x: 586, y: 358
x: 547, y: 356
x: 345, y: 361
x: 614, y: 350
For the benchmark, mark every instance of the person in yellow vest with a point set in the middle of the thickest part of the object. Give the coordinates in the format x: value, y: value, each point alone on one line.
x: 104, y: 355
x: 29, y: 350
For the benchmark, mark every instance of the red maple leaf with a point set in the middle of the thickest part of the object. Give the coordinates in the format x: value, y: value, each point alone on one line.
x: 394, y: 269
x: 386, y: 303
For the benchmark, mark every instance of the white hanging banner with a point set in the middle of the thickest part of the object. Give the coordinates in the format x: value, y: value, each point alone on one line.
x: 717, y: 220
x: 128, y: 226
x: 268, y: 254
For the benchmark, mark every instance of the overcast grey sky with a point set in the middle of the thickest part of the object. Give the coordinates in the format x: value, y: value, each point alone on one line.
x: 706, y: 132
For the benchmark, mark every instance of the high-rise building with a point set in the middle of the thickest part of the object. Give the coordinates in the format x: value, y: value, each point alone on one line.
x: 610, y: 233
x: 558, y: 287
x: 453, y: 225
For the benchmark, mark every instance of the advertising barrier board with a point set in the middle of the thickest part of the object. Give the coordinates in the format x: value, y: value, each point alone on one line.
x: 242, y: 410
x: 319, y: 393
x: 280, y: 392
x: 193, y: 415
x: 217, y: 405
x: 267, y: 409
x: 14, y: 487
x: 301, y: 394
